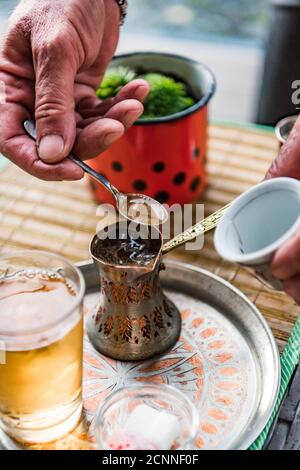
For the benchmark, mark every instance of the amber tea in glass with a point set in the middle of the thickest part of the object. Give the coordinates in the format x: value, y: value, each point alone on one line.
x: 41, y: 343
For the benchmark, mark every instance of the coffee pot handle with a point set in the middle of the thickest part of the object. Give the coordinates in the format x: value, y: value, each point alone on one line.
x: 209, y: 223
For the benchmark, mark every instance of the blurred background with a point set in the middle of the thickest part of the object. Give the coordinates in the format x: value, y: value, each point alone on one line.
x: 229, y: 36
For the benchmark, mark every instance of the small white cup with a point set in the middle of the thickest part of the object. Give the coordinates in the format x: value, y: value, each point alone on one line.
x: 258, y: 223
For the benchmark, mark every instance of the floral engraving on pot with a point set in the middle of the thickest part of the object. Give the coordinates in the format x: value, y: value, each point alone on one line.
x: 127, y: 325
x: 108, y: 325
x: 125, y: 329
x: 158, y: 318
x: 132, y: 313
x: 119, y: 293
x: 145, y: 326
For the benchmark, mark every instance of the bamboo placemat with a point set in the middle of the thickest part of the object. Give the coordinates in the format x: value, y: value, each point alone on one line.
x: 61, y: 216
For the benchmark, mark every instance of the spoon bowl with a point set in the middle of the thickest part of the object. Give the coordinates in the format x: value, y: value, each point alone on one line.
x: 142, y: 209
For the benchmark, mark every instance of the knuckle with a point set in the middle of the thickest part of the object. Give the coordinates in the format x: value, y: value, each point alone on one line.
x: 51, y: 103
x: 51, y: 120
x: 19, y: 24
x: 50, y: 107
x: 49, y: 47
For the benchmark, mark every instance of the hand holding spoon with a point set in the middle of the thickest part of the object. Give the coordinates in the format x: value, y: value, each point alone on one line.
x: 137, y: 208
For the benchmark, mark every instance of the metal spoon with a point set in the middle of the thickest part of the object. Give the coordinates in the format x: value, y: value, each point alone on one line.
x: 138, y: 208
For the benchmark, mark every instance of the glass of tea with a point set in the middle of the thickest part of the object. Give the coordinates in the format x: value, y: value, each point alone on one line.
x: 41, y: 345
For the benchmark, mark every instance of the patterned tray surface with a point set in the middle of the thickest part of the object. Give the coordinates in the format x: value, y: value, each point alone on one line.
x: 214, y: 363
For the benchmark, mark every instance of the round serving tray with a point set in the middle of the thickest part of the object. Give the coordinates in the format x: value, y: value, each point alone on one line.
x: 226, y: 361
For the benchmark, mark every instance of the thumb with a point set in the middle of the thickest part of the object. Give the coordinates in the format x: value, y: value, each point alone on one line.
x: 54, y: 101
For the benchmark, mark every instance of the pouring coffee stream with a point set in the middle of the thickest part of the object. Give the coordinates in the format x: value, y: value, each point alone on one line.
x: 145, y: 210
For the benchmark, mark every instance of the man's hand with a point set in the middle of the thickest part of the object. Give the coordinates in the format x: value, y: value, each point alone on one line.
x: 286, y: 262
x: 288, y: 161
x: 52, y: 60
x: 286, y: 267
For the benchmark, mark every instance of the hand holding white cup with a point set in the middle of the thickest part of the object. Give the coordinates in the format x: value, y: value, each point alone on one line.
x: 258, y: 224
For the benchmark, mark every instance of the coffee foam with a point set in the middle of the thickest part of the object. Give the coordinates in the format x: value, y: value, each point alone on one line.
x: 31, y: 300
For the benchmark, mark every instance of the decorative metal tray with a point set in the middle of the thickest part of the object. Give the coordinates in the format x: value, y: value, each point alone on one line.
x: 226, y: 361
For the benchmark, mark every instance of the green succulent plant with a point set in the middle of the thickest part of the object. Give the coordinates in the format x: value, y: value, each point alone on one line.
x: 114, y: 79
x: 167, y: 96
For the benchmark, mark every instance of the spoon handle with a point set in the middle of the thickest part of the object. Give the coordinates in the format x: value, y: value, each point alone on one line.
x: 30, y: 128
x: 191, y: 233
x: 97, y: 176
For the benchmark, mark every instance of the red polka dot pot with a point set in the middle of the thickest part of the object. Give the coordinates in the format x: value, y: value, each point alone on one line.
x: 165, y: 157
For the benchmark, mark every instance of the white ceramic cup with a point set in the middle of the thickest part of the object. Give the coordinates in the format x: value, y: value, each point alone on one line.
x: 258, y: 223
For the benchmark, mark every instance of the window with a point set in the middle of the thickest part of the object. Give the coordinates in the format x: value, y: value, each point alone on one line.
x: 198, y: 19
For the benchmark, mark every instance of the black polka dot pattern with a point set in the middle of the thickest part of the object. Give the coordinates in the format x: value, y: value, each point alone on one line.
x: 158, y: 167
x: 117, y: 166
x: 179, y: 178
x: 139, y: 185
x: 162, y: 197
x: 196, y: 152
x: 195, y: 184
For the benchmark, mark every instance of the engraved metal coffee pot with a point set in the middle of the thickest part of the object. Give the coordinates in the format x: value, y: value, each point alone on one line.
x: 134, y: 319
